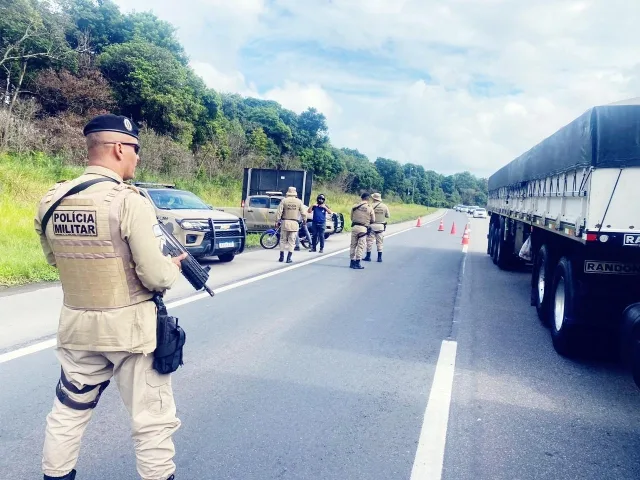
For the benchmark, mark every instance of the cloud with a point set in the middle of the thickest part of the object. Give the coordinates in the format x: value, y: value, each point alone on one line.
x: 466, y: 85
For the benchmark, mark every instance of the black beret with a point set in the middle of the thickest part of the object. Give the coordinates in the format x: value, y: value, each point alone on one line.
x: 111, y: 123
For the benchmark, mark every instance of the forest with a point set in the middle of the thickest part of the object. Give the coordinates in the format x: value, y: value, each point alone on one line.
x: 64, y: 61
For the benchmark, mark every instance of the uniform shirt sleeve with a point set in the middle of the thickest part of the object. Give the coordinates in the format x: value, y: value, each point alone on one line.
x: 156, y: 271
x: 44, y: 242
x: 387, y: 214
x: 280, y: 210
x: 372, y: 215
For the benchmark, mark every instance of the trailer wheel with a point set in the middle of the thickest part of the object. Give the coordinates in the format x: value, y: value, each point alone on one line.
x: 541, y: 283
x: 563, y: 308
x: 490, y: 239
x: 502, y: 257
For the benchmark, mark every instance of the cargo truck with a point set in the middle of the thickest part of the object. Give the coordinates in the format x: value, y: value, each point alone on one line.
x: 263, y: 190
x: 576, y: 197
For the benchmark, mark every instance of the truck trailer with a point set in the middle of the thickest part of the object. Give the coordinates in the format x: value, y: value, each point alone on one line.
x: 573, y: 202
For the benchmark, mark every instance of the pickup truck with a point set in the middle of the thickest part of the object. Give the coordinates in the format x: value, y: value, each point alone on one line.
x: 259, y: 213
x: 201, y: 229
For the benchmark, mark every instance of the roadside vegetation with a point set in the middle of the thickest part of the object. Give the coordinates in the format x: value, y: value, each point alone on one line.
x: 25, y: 179
x: 65, y: 61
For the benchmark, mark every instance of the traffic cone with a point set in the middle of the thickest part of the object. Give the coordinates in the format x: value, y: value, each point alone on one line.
x: 453, y: 228
x: 419, y: 224
x: 441, y: 227
x: 465, y: 235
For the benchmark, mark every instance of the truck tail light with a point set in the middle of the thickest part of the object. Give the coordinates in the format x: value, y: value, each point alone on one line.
x: 592, y: 237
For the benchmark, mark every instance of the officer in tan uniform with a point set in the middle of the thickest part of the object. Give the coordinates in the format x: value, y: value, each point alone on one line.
x: 378, y: 227
x: 102, y: 240
x: 289, y: 211
x: 361, y: 217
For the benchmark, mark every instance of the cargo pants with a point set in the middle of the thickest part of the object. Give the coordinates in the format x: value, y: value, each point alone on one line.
x: 377, y: 233
x: 147, y: 395
x: 287, y: 240
x: 358, y: 242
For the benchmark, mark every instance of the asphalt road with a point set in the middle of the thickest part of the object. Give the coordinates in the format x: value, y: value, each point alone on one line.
x: 323, y: 372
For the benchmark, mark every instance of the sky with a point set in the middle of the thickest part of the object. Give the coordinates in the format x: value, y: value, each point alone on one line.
x: 451, y: 85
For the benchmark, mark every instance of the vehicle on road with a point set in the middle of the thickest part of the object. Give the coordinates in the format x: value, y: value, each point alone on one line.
x: 201, y: 229
x: 480, y: 213
x: 262, y: 194
x: 572, y: 202
x: 270, y: 239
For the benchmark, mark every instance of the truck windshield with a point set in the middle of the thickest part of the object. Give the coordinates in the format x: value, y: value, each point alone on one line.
x: 176, y: 200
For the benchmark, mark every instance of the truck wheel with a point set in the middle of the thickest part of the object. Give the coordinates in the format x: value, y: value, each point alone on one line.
x: 502, y: 257
x: 630, y: 340
x: 563, y: 308
x: 227, y: 257
x: 490, y: 239
x: 494, y: 245
x: 541, y: 283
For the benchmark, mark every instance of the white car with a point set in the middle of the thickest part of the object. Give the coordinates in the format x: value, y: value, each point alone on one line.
x: 480, y: 213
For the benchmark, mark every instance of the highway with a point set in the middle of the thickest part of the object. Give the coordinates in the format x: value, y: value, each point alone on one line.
x: 431, y: 365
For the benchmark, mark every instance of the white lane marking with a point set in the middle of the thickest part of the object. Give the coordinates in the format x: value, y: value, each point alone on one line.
x: 433, y: 436
x: 36, y: 347
x: 21, y: 352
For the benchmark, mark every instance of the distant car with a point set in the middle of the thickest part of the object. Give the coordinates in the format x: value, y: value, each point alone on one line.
x: 480, y: 213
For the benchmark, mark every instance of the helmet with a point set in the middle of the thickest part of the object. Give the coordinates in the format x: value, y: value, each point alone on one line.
x: 320, y: 198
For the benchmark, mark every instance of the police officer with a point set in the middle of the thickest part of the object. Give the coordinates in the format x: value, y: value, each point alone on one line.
x: 378, y: 227
x: 289, y: 211
x: 361, y: 217
x: 319, y: 222
x: 99, y: 233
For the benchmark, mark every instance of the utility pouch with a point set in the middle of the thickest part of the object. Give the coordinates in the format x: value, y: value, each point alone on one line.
x: 167, y: 357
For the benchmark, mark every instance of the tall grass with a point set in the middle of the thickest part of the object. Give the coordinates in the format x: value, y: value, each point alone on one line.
x: 25, y: 179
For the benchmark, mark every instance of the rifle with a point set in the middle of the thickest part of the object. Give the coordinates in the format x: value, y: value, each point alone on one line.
x: 196, y: 274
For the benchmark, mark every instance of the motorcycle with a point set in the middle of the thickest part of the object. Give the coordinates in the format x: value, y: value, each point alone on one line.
x: 271, y: 238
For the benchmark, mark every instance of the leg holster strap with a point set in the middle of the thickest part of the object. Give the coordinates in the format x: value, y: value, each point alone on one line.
x: 69, y: 402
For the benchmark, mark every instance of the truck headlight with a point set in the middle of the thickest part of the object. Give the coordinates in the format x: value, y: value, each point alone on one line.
x: 188, y: 225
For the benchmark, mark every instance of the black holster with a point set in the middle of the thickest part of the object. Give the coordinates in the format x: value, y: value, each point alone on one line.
x: 170, y: 337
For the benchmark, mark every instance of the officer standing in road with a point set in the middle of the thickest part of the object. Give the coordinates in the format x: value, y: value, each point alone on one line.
x: 99, y: 233
x: 289, y: 211
x: 319, y: 222
x: 361, y: 217
x: 378, y: 227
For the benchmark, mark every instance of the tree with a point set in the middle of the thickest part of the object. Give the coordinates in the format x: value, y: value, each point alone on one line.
x: 30, y: 34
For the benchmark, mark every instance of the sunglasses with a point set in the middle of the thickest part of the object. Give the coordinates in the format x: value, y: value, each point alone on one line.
x: 136, y: 146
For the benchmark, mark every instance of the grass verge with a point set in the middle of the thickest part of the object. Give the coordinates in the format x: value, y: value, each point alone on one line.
x: 24, y: 180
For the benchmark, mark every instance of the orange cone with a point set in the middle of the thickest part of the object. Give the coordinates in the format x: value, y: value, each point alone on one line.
x: 453, y: 228
x: 441, y: 227
x: 465, y: 235
x: 419, y: 224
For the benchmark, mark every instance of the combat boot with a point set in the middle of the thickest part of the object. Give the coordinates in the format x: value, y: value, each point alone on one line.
x: 69, y: 476
x: 379, y: 256
x: 281, y: 259
x: 367, y: 257
x: 289, y: 258
x: 352, y: 264
x: 357, y: 266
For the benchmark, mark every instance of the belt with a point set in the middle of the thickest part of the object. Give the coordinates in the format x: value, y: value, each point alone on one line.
x: 358, y: 224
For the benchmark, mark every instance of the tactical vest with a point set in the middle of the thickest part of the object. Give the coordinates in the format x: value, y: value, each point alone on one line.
x: 291, y: 209
x: 379, y: 210
x: 96, y: 268
x: 361, y: 215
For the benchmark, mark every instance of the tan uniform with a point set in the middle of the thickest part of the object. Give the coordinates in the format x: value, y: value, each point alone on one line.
x: 289, y: 211
x: 103, y: 242
x: 361, y: 217
x: 378, y: 227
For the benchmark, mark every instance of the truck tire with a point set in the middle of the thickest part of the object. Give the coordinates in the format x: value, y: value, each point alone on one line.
x: 630, y: 340
x: 541, y: 283
x: 490, y: 239
x: 563, y: 308
x: 502, y: 256
x: 227, y: 257
x: 494, y: 244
